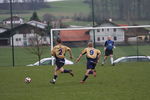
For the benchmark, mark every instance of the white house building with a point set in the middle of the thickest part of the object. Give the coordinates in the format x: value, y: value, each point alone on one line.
x: 15, y: 20
x: 25, y: 34
x: 29, y: 39
x: 22, y: 38
x: 118, y: 35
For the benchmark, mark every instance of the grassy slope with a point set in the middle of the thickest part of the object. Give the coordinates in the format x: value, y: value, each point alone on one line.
x: 62, y: 8
x: 129, y: 81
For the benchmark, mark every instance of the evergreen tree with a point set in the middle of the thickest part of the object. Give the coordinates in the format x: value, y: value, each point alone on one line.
x: 35, y: 17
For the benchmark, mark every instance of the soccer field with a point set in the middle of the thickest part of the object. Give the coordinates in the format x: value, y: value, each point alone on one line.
x: 127, y: 81
x: 24, y: 57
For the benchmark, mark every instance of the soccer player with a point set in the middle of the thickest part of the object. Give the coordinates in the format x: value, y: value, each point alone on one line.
x: 92, y: 56
x: 59, y: 52
x: 109, y: 45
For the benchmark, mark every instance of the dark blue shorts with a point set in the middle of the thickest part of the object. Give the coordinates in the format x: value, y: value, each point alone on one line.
x: 108, y: 52
x: 91, y: 63
x: 60, y: 62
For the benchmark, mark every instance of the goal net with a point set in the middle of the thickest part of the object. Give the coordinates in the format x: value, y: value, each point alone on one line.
x: 129, y: 40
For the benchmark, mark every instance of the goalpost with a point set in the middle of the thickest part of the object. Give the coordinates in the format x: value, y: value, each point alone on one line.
x: 90, y: 28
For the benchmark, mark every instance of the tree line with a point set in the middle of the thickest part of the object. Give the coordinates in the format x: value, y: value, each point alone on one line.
x: 129, y: 10
x: 24, y: 4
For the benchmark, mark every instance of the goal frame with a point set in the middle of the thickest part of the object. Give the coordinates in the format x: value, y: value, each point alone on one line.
x: 87, y: 28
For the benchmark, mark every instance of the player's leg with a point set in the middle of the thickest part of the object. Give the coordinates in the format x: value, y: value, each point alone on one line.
x: 94, y: 70
x: 105, y: 58
x: 85, y: 76
x: 111, y: 57
x: 66, y: 71
x: 56, y: 72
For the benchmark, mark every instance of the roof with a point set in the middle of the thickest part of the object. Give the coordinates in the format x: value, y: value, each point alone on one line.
x: 74, y: 35
x: 37, y: 24
x: 137, y: 31
x: 112, y: 23
x: 20, y: 28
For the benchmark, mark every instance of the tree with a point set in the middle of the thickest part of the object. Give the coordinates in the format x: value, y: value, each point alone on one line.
x: 48, y: 17
x: 35, y: 17
x: 36, y: 45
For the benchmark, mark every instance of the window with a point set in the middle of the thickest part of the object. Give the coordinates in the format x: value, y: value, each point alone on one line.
x: 16, y: 39
x: 44, y: 38
x: 47, y: 62
x: 103, y: 38
x: 115, y: 30
x: 115, y: 38
x: 19, y: 39
x: 98, y: 38
x: 108, y: 29
x: 102, y: 30
x: 98, y: 30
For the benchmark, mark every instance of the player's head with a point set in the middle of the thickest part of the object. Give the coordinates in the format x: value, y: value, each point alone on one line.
x: 90, y: 44
x: 109, y: 37
x: 58, y: 40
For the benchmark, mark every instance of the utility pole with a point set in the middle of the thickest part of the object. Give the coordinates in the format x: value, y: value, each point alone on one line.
x: 12, y: 39
x: 93, y: 22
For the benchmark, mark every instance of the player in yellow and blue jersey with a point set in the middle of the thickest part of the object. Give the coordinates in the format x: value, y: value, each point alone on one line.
x: 92, y: 56
x: 59, y: 52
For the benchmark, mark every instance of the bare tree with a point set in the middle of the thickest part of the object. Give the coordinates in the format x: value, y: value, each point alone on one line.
x: 36, y: 45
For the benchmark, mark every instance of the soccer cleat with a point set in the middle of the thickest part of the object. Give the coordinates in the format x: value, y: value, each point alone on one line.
x: 71, y: 73
x: 52, y: 82
x: 82, y: 82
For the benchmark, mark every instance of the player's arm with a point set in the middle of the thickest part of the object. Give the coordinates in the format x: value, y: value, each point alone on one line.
x: 114, y: 45
x: 70, y: 52
x: 78, y: 59
x: 53, y: 53
x: 82, y: 53
x: 98, y: 56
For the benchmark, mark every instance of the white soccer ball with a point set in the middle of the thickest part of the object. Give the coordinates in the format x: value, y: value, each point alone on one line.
x: 27, y: 80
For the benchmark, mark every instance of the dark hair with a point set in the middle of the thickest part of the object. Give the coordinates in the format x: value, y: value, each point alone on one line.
x: 58, y: 40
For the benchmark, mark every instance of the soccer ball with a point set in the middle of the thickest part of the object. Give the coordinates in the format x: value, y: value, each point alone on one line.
x: 27, y: 80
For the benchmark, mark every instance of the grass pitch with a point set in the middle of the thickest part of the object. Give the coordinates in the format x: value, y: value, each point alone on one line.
x: 127, y: 81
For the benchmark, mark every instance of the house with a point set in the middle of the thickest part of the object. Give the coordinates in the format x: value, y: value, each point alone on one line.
x: 15, y: 20
x: 74, y: 37
x: 118, y: 35
x: 24, y: 34
x: 140, y: 34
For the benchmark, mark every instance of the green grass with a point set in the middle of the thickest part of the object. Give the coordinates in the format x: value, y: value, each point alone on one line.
x: 61, y: 8
x: 128, y: 81
x: 24, y: 57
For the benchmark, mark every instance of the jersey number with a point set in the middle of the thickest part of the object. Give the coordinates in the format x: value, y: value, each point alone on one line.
x: 60, y: 51
x: 91, y: 52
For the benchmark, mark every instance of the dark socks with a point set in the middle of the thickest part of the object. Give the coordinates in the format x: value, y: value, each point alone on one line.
x: 85, y: 77
x: 55, y: 77
x: 66, y: 71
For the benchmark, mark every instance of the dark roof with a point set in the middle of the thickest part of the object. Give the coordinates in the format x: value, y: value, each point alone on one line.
x: 9, y: 32
x: 136, y: 31
x: 3, y: 27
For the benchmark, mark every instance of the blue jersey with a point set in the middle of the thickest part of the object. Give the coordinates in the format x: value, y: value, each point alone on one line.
x: 109, y: 44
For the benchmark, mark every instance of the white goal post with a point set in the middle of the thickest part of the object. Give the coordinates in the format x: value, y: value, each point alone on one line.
x: 89, y: 28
